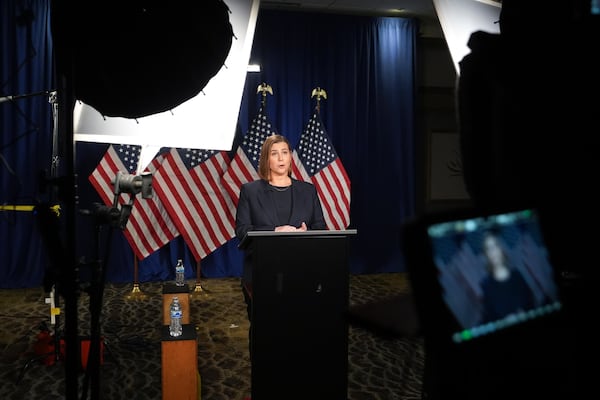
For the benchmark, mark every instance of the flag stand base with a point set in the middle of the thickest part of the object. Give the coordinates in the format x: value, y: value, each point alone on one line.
x: 136, y: 293
x: 198, y: 291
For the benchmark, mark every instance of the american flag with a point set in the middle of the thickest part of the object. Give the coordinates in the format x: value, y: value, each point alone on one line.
x: 315, y: 160
x: 149, y: 226
x: 189, y: 185
x: 244, y: 166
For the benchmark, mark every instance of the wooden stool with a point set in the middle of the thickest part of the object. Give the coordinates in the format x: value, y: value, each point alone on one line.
x: 179, y: 364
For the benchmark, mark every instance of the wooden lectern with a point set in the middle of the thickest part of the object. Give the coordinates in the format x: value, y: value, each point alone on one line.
x: 300, y: 294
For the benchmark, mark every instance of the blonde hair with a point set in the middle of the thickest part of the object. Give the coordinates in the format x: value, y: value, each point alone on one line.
x: 264, y: 171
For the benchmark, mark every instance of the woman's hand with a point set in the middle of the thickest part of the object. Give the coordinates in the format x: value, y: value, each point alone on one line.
x: 290, y: 228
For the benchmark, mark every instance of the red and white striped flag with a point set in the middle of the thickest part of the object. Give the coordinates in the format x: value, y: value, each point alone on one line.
x: 189, y: 185
x: 244, y: 166
x: 149, y: 226
x: 315, y: 160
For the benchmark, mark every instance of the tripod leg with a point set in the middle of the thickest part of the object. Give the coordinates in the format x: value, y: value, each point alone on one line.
x: 29, y: 362
x: 110, y: 352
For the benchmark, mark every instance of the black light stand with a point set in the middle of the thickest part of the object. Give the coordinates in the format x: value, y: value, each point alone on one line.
x: 47, y: 219
x: 102, y: 215
x: 84, y: 71
x: 63, y: 31
x: 114, y: 218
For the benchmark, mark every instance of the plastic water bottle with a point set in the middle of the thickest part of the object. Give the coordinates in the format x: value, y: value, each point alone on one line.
x: 179, y: 273
x: 175, y: 328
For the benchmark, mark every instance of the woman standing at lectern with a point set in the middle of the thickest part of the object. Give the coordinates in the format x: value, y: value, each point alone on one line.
x: 275, y: 202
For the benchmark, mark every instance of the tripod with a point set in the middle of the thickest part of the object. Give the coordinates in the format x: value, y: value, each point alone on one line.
x: 112, y: 217
x: 55, y: 352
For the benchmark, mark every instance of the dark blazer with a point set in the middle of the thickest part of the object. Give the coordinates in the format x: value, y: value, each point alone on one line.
x: 256, y: 211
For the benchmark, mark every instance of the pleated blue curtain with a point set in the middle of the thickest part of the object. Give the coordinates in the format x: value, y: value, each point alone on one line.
x: 367, y: 67
x: 26, y: 134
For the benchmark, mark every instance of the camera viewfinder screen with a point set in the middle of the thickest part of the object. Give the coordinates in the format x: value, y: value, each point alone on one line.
x: 494, y: 270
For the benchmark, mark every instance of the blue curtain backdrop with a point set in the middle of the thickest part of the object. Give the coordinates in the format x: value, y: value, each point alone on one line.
x: 365, y: 64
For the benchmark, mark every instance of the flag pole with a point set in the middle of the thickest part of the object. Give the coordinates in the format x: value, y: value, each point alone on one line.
x: 198, y: 289
x: 136, y: 292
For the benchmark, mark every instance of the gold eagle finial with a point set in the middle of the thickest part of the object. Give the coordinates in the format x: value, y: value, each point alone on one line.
x: 320, y: 93
x: 264, y: 89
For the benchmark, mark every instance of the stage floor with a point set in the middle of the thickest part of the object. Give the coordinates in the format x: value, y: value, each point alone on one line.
x: 383, y: 364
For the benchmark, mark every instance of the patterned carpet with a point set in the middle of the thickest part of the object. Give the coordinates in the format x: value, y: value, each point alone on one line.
x: 381, y: 366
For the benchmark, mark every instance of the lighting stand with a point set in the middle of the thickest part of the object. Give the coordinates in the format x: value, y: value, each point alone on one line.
x: 113, y: 217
